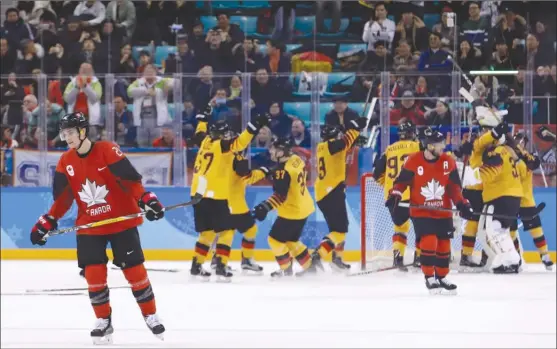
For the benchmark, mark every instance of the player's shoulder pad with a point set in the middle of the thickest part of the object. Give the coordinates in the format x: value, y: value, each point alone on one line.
x: 449, y: 158
x: 413, y: 160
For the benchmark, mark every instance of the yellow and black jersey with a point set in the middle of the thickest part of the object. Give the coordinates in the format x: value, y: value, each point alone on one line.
x: 526, y: 167
x: 475, y: 161
x: 214, y: 161
x: 499, y: 174
x: 331, y: 163
x: 388, y: 166
x: 239, y: 180
x: 291, y: 197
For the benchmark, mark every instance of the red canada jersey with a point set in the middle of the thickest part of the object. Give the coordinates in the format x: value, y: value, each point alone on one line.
x: 103, y: 183
x: 433, y: 183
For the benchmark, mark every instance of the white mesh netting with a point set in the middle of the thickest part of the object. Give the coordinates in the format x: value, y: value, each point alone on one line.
x: 378, y: 230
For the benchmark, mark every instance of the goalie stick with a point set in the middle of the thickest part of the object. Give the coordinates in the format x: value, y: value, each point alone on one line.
x: 373, y: 271
x: 201, y: 187
x: 539, y: 209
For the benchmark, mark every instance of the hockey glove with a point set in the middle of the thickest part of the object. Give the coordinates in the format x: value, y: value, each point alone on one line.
x: 206, y: 115
x: 392, y: 201
x: 466, y: 210
x: 545, y: 134
x: 357, y: 124
x: 151, y: 205
x: 241, y: 166
x: 466, y: 148
x: 260, y: 211
x: 361, y: 141
x: 257, y: 122
x: 498, y: 131
x: 45, y: 224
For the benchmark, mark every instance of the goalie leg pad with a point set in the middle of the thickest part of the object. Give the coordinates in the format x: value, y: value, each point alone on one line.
x: 498, y: 241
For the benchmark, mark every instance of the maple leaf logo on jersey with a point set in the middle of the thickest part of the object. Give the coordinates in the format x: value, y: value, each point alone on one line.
x: 93, y: 194
x: 433, y: 191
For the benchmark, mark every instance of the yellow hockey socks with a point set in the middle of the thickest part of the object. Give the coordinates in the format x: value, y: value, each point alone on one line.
x: 400, y: 237
x: 300, y: 252
x: 329, y: 243
x: 469, y: 238
x: 224, y: 244
x: 280, y: 250
x: 203, y: 245
x: 248, y: 242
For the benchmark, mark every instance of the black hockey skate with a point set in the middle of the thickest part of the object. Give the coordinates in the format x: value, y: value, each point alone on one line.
x: 447, y: 287
x: 398, y: 261
x: 485, y: 257
x: 311, y: 270
x: 281, y: 273
x: 248, y: 265
x: 198, y: 271
x: 82, y: 272
x: 432, y: 285
x: 214, y: 264
x: 222, y: 272
x: 338, y: 265
x: 154, y: 324
x: 102, y: 333
x: 416, y: 263
x: 547, y: 262
x: 503, y: 269
x: 468, y: 266
x: 316, y: 261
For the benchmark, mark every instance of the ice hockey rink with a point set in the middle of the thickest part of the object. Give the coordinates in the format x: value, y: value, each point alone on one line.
x: 386, y: 309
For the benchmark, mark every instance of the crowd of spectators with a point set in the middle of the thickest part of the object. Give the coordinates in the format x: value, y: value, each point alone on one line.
x: 76, y: 43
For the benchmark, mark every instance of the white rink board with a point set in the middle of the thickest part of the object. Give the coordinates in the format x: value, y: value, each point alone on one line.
x: 388, y: 309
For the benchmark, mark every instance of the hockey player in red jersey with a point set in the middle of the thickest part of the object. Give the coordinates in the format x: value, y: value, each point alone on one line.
x: 104, y: 184
x: 434, y: 184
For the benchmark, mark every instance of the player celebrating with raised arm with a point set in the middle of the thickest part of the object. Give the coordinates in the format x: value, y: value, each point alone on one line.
x: 434, y: 183
x: 293, y: 203
x: 526, y: 168
x: 105, y: 185
x: 385, y: 171
x: 330, y: 188
x: 212, y: 214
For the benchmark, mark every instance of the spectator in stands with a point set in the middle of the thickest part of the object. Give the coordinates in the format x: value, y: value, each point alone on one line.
x: 486, y: 88
x: 550, y: 89
x: 220, y: 109
x: 15, y: 29
x: 535, y: 54
x: 217, y: 52
x: 234, y: 91
x: 403, y: 59
x: 440, y: 115
x: 515, y: 106
x: 300, y: 134
x: 501, y: 60
x: 196, y: 40
x: 407, y: 111
x: 70, y: 40
x: 425, y: 95
x: 202, y: 88
x: 380, y: 29
x: 546, y: 41
x: 179, y: 12
x: 31, y: 139
x: 412, y: 29
x: 11, y: 91
x: 184, y: 56
x: 30, y: 104
x: 280, y: 124
x: 377, y: 60
x: 341, y: 114
x: 112, y: 38
x: 278, y: 63
x: 189, y: 121
x: 476, y: 28
x: 89, y: 54
x: 29, y: 58
x: 264, y: 91
x: 8, y: 142
x: 150, y: 104
x: 47, y: 34
x: 54, y: 113
x: 91, y: 12
x: 126, y: 132
x: 144, y: 60
x: 231, y: 33
x: 166, y: 140
x: 263, y: 138
x: 334, y: 7
x: 126, y: 64
x: 510, y: 26
x: 147, y: 15
x: 469, y: 57
x: 434, y: 59
x: 31, y: 11
x: 83, y: 94
x: 8, y: 56
x: 448, y: 33
x: 122, y: 13
x: 247, y: 57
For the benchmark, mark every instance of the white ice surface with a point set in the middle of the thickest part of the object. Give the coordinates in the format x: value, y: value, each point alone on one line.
x: 387, y: 309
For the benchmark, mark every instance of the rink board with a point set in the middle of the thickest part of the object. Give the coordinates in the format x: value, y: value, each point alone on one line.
x: 173, y: 238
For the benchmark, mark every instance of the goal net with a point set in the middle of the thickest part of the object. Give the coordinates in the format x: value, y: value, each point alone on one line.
x: 377, y: 231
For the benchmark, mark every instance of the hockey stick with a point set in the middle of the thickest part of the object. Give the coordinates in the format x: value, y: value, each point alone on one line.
x: 201, y: 187
x: 153, y: 269
x: 67, y: 289
x: 367, y: 272
x: 539, y: 208
x: 44, y: 294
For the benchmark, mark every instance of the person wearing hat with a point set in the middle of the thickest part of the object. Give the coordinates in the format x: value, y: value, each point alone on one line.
x: 341, y: 114
x: 407, y: 111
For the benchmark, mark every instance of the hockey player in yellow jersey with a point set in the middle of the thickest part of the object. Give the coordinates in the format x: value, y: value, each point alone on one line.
x: 212, y: 215
x: 293, y: 202
x: 528, y: 164
x: 385, y: 171
x: 330, y: 188
x: 501, y: 194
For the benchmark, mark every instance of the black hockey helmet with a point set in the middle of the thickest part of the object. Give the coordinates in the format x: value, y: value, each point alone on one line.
x: 406, y: 130
x: 520, y: 137
x: 76, y: 121
x: 432, y: 136
x: 330, y: 132
x: 219, y: 129
x: 282, y: 143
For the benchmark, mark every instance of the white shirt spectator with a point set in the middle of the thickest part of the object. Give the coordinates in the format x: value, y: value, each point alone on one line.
x: 375, y: 31
x: 97, y: 9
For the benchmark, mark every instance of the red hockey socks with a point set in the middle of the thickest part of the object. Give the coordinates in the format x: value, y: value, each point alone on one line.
x: 443, y: 255
x: 428, y: 245
x: 98, y: 289
x: 141, y: 288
